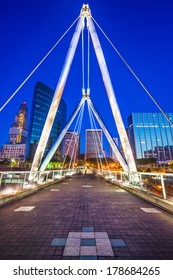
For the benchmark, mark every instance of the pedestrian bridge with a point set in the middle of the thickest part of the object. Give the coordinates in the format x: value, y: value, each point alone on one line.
x: 85, y: 217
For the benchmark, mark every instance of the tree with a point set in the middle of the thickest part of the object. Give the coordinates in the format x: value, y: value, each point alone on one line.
x: 144, y: 161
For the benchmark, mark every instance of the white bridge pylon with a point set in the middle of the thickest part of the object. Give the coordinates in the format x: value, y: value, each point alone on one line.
x: 128, y: 163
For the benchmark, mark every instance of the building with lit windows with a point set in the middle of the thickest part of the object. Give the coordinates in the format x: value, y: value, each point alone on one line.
x: 19, y: 131
x: 151, y: 135
x: 16, y: 148
x: 14, y: 151
x: 41, y: 102
x: 94, y: 143
x: 72, y: 145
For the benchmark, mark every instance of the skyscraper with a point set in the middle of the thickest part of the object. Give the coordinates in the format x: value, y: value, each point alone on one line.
x: 94, y: 143
x: 42, y: 99
x: 72, y: 145
x: 16, y: 148
x: 151, y: 135
x: 19, y: 131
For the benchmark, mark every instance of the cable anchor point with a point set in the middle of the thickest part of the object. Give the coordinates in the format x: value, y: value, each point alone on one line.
x: 86, y: 94
x: 85, y: 11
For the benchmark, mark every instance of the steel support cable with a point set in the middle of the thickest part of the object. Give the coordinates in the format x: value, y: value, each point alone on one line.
x: 96, y: 142
x: 61, y: 136
x: 76, y: 139
x: 65, y: 157
x: 96, y: 132
x: 133, y: 73
x: 71, y: 138
x: 94, y: 138
x: 37, y: 66
x: 80, y: 122
x: 89, y: 111
x: 109, y: 138
x: 99, y: 140
x: 78, y: 129
x: 88, y: 83
x: 83, y: 63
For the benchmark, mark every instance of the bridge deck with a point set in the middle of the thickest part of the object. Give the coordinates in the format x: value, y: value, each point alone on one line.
x: 84, y: 218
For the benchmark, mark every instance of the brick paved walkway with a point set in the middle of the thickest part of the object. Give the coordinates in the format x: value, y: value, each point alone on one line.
x: 84, y: 217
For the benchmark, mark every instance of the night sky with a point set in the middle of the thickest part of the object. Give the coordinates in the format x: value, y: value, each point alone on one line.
x: 141, y: 31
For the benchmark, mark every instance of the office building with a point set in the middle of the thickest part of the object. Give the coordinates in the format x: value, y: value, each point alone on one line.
x: 14, y: 151
x: 72, y: 145
x: 151, y: 135
x: 94, y: 143
x: 41, y: 102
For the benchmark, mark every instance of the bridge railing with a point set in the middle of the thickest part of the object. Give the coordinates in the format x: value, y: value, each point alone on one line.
x: 14, y: 181
x: 155, y: 184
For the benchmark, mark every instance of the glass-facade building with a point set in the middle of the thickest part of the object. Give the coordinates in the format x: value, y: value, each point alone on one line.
x: 41, y: 102
x: 151, y: 135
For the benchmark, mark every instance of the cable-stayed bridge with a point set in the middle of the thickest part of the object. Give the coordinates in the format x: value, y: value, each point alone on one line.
x: 82, y: 190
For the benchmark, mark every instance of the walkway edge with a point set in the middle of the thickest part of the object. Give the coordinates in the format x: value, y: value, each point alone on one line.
x: 165, y: 205
x: 20, y: 194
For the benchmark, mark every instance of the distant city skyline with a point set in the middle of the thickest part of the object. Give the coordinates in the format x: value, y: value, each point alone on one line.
x: 150, y: 134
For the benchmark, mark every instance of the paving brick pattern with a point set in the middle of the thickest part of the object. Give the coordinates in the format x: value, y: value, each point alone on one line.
x: 112, y: 215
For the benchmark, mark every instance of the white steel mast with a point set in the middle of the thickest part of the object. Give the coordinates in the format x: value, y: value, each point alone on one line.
x: 130, y: 166
x: 111, y: 96
x: 57, y: 97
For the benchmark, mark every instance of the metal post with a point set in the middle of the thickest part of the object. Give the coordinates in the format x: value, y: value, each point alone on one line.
x: 47, y: 174
x: 57, y: 97
x: 38, y: 173
x: 24, y: 179
x: 121, y: 176
x: 163, y: 186
x: 52, y: 175
x: 1, y: 175
x: 140, y: 180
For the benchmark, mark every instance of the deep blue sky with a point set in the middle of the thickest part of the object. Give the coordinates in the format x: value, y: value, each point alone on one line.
x: 141, y: 30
